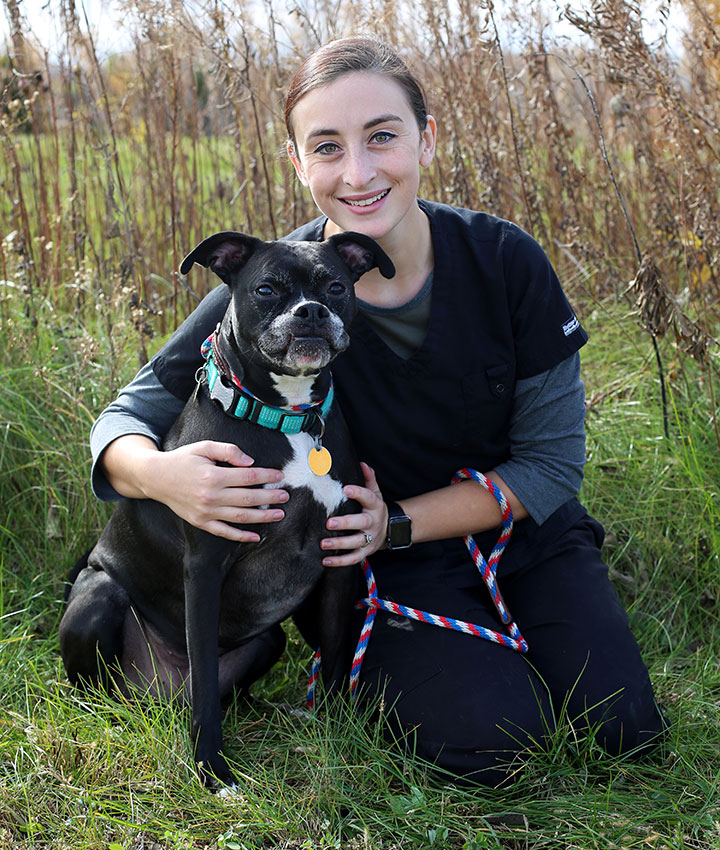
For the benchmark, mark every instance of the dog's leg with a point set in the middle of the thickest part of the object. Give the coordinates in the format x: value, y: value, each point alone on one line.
x: 203, y: 584
x: 240, y: 667
x: 91, y: 628
x: 338, y: 593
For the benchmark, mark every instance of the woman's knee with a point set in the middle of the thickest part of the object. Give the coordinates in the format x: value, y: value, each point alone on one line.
x: 631, y: 726
x: 489, y: 756
x: 483, y: 742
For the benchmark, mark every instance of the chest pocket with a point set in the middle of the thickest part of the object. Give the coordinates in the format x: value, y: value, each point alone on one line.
x: 500, y: 380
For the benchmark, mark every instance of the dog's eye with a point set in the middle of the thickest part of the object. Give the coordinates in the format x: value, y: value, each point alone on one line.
x: 336, y: 288
x: 265, y: 290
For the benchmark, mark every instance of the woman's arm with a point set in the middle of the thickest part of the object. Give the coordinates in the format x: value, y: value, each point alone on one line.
x: 125, y: 442
x: 458, y: 509
x: 189, y: 481
x: 453, y: 511
x: 544, y: 471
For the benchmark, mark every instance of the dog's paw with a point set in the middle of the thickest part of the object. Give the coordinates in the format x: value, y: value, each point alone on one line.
x: 230, y: 793
x: 215, y: 774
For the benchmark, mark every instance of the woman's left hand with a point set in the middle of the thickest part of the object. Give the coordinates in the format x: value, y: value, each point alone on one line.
x: 363, y: 533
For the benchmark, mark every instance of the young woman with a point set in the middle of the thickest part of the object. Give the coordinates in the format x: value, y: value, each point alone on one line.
x: 468, y: 357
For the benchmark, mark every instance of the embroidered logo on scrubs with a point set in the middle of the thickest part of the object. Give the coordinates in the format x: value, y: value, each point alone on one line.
x: 399, y: 623
x: 571, y: 326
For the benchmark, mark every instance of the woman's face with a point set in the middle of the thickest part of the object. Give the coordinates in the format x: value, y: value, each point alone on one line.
x: 359, y: 150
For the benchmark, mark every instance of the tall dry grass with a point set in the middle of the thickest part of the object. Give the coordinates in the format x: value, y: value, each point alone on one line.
x: 605, y: 146
x: 114, y: 168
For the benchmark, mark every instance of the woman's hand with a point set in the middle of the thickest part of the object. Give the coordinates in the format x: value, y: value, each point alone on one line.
x: 189, y: 481
x: 372, y: 521
x: 452, y: 511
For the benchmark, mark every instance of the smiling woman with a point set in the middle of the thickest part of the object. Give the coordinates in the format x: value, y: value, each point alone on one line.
x: 466, y: 358
x: 363, y: 171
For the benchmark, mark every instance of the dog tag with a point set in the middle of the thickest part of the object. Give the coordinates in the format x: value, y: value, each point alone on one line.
x: 320, y: 460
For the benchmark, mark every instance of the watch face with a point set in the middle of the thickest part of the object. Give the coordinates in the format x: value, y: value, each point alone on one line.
x: 400, y: 533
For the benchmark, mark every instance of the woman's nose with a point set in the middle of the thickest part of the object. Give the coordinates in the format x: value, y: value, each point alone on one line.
x: 359, y: 169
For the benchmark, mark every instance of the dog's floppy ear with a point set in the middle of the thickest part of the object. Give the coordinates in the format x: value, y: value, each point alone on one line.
x: 360, y: 253
x: 223, y: 253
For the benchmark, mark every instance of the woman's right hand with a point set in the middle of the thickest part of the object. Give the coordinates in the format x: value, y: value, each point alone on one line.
x: 189, y: 481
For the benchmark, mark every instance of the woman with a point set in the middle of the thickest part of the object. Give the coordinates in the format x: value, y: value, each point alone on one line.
x: 468, y: 357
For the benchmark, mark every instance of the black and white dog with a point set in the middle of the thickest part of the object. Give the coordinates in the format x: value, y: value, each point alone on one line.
x: 163, y: 606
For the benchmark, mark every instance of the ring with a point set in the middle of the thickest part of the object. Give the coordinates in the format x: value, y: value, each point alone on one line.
x: 368, y: 539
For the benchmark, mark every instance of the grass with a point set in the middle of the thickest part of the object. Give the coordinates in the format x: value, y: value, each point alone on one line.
x: 85, y: 771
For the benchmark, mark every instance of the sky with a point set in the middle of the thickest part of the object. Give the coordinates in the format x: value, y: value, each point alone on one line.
x: 106, y: 22
x: 43, y: 16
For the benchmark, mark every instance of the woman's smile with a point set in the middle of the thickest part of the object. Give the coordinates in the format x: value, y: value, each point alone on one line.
x: 365, y: 202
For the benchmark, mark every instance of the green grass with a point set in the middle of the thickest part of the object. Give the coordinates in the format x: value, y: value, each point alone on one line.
x: 83, y: 771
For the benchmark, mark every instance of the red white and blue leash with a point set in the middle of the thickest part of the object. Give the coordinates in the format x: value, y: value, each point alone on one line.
x: 488, y: 570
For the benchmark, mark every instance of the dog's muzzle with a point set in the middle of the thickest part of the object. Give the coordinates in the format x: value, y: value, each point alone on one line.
x: 307, y: 338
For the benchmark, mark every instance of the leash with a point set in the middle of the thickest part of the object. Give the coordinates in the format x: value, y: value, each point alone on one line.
x: 487, y: 569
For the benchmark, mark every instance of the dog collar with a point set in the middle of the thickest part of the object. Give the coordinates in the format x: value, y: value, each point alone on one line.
x: 240, y: 403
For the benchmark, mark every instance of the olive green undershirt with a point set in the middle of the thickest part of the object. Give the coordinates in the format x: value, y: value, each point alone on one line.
x: 402, y: 328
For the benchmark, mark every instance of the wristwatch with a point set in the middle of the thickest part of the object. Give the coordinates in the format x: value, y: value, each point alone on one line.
x: 399, y: 527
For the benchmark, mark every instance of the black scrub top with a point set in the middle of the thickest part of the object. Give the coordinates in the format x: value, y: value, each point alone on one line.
x: 498, y: 314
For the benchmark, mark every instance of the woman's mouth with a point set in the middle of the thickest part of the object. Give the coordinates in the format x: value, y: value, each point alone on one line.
x: 366, y: 202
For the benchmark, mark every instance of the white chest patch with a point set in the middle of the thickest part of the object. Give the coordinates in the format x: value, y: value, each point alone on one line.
x: 295, y: 389
x: 297, y: 473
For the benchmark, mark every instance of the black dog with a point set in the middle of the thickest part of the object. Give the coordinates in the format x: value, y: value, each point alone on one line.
x: 160, y: 603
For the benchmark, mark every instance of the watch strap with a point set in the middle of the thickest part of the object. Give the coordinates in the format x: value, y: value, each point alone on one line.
x: 399, y: 528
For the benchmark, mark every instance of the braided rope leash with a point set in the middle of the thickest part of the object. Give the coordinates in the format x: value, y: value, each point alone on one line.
x: 487, y: 569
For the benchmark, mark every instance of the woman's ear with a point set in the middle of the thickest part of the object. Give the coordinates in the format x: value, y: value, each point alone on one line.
x: 295, y: 159
x: 428, y: 138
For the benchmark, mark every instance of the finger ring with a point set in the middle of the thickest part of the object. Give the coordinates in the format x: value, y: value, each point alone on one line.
x: 368, y: 539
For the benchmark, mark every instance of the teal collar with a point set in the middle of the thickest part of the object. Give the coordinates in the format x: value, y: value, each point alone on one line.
x: 241, y: 404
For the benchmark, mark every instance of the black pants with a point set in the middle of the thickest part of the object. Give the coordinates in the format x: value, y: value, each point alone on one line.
x: 475, y: 705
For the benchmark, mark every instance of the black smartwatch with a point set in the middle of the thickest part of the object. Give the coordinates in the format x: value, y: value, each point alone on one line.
x: 399, y: 528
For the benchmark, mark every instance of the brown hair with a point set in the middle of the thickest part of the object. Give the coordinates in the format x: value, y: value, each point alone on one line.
x: 345, y: 55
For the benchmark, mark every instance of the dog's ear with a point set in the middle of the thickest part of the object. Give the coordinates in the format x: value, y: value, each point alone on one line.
x: 224, y: 253
x: 360, y: 253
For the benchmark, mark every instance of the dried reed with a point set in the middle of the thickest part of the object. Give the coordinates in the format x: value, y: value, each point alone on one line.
x: 115, y: 167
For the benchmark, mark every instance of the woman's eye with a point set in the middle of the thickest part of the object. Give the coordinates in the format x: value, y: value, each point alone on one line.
x: 327, y: 148
x: 383, y: 137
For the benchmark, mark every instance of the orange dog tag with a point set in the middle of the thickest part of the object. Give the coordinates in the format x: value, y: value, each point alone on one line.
x: 320, y: 460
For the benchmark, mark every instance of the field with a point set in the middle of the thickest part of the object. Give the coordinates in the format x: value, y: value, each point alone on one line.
x: 606, y: 148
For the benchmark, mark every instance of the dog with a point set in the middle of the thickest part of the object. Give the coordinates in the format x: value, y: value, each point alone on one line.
x: 160, y: 606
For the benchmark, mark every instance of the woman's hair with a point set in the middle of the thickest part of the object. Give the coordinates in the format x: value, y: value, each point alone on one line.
x: 345, y: 55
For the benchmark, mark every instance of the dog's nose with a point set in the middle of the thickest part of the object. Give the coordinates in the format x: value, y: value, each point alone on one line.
x: 311, y: 311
